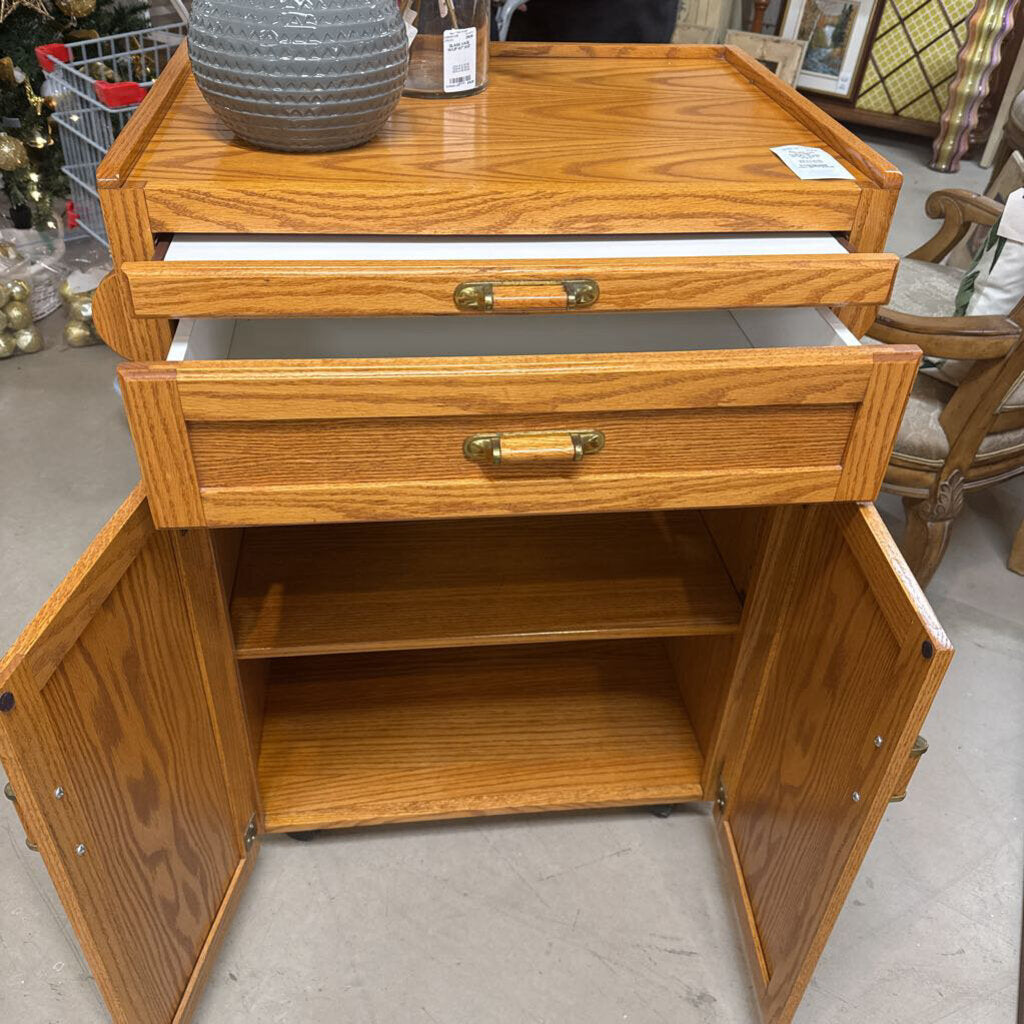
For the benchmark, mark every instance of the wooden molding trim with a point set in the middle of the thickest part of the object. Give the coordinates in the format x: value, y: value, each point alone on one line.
x: 874, y: 166
x: 162, y: 442
x: 200, y: 289
x: 218, y: 930
x: 115, y: 167
x: 60, y: 622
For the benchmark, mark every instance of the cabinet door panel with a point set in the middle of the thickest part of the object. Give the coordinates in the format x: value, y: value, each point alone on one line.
x: 845, y: 664
x: 110, y: 710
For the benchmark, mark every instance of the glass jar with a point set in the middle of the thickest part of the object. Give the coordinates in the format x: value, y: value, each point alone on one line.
x: 448, y: 57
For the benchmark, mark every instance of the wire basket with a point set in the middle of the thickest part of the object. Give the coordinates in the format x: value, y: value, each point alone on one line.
x: 98, y: 84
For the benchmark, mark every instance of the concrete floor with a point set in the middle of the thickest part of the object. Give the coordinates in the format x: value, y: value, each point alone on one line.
x: 569, y: 919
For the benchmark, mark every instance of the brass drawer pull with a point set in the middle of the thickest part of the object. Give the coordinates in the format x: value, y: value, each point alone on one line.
x: 526, y: 296
x: 917, y: 751
x: 534, y: 446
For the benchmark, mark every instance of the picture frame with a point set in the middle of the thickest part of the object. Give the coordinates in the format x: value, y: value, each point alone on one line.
x: 837, y: 35
x: 783, y: 57
x: 713, y: 15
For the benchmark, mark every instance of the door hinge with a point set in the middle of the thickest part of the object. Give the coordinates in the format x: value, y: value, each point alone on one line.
x: 250, y: 834
x: 722, y: 797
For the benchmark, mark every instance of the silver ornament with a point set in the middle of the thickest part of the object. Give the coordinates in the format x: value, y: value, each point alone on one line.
x: 28, y: 340
x: 18, y: 315
x: 20, y: 290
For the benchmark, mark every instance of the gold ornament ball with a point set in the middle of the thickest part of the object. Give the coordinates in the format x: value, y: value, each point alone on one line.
x: 76, y: 8
x: 5, y: 293
x: 80, y: 308
x: 28, y: 340
x: 3, y: 321
x: 12, y: 153
x: 77, y: 334
x: 67, y: 293
x: 7, y: 345
x: 18, y: 290
x: 19, y: 316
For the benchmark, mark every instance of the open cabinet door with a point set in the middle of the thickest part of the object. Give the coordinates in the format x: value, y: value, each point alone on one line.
x: 840, y: 660
x: 110, y: 738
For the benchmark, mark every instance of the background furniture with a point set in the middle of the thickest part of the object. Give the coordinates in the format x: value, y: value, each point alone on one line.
x: 952, y: 439
x: 904, y: 83
x: 434, y: 561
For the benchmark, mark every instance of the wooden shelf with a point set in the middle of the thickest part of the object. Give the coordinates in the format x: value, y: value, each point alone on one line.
x: 395, y: 586
x: 372, y: 738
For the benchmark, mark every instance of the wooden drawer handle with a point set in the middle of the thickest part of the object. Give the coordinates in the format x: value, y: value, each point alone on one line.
x: 534, y: 446
x: 917, y: 751
x: 526, y: 296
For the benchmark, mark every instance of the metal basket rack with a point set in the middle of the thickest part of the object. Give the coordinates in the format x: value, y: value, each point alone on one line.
x: 91, y: 111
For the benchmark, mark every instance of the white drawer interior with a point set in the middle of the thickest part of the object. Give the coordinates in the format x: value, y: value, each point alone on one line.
x: 494, y: 335
x: 385, y: 248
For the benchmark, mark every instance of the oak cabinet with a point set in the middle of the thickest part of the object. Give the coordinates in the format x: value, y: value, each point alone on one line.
x: 398, y: 556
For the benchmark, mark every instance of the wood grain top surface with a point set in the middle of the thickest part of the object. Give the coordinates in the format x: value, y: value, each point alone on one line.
x: 556, y: 143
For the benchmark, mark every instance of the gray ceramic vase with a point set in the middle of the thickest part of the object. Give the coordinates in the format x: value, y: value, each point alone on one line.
x: 300, y: 75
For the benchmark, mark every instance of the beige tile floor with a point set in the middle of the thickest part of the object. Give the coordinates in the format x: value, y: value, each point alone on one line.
x: 566, y: 919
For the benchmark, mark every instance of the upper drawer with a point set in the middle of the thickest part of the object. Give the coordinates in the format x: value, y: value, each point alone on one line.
x: 550, y: 425
x: 273, y: 276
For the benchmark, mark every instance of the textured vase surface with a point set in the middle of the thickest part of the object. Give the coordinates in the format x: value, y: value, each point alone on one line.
x: 300, y: 75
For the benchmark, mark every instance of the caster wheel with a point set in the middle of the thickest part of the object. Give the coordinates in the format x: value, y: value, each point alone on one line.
x: 302, y: 837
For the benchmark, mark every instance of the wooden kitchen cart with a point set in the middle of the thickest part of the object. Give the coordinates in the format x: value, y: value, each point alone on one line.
x: 512, y: 462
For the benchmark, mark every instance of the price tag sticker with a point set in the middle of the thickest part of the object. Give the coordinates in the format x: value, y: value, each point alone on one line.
x: 811, y: 163
x: 459, y: 59
x: 1011, y: 224
x: 410, y: 25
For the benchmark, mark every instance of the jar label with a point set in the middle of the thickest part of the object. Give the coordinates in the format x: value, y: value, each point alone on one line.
x: 459, y: 59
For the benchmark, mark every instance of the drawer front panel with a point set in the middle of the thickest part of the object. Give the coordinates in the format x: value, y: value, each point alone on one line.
x: 282, y: 288
x: 336, y: 440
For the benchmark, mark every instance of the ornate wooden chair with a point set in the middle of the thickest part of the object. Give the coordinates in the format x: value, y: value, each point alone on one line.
x: 954, y: 437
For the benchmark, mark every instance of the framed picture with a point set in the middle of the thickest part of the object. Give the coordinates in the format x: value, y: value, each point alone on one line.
x: 836, y: 34
x: 783, y: 57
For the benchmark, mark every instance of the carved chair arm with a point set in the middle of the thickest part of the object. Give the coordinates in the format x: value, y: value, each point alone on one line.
x: 958, y: 210
x: 948, y: 337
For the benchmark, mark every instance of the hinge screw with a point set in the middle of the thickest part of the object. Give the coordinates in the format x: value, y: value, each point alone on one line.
x: 58, y: 793
x: 856, y: 797
x: 879, y: 741
x: 80, y: 849
x: 6, y: 701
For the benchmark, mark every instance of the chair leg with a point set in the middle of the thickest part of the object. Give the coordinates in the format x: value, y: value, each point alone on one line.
x: 1016, y: 562
x: 929, y: 521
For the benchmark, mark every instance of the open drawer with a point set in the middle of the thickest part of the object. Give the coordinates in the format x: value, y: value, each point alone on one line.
x: 548, y: 415
x: 337, y: 275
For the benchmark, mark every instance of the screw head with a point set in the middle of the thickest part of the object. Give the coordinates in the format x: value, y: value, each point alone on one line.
x: 6, y: 701
x: 879, y: 741
x: 58, y: 793
x: 927, y: 649
x: 856, y: 797
x: 81, y: 850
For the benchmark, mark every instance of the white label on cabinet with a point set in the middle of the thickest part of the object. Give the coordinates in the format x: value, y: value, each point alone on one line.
x: 459, y: 59
x: 811, y: 163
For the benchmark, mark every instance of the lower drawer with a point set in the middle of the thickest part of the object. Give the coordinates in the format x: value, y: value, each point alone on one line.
x: 697, y: 417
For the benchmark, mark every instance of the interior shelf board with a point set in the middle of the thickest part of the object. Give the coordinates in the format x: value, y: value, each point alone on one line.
x: 373, y: 738
x: 450, y: 583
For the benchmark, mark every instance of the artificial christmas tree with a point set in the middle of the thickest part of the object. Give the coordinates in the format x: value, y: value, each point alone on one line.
x: 30, y: 155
